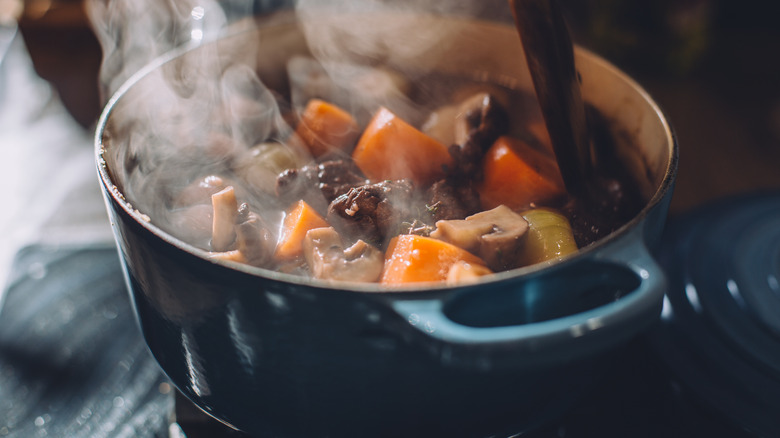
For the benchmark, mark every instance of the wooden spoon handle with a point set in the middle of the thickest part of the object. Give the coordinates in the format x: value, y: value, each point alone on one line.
x: 550, y: 56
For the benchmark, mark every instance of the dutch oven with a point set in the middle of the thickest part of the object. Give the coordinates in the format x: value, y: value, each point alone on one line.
x: 274, y: 354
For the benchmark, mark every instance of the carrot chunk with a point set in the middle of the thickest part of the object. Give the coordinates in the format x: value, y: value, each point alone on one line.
x: 325, y: 127
x: 297, y: 221
x: 517, y: 175
x: 390, y: 149
x: 410, y: 258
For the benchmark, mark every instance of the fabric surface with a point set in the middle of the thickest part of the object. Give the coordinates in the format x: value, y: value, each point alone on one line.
x: 50, y: 192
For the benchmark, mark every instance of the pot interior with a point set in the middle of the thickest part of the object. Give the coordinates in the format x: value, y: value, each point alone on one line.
x: 175, y: 101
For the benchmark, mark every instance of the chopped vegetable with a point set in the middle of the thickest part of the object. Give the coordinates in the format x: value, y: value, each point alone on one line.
x: 517, y: 175
x: 410, y: 258
x: 324, y: 127
x: 447, y: 196
x: 463, y: 272
x: 229, y: 256
x: 549, y: 236
x: 496, y: 236
x: 297, y: 222
x: 328, y: 260
x: 481, y: 118
x: 199, y: 191
x: 223, y: 232
x: 253, y: 237
x: 260, y: 165
x: 392, y: 149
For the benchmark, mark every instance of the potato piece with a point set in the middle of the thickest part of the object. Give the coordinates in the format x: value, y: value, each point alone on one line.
x: 261, y: 165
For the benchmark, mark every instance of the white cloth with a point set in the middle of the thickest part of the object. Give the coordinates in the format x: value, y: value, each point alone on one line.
x: 49, y: 190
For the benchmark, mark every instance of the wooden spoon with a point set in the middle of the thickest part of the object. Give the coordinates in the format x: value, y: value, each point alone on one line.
x: 550, y: 56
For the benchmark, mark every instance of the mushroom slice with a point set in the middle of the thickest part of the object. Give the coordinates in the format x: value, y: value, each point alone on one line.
x: 495, y: 235
x: 328, y: 260
x: 223, y: 232
x: 480, y: 119
x: 463, y: 272
x: 254, y: 239
x: 440, y: 124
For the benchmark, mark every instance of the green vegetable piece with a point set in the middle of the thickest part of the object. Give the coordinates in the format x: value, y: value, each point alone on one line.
x: 549, y: 236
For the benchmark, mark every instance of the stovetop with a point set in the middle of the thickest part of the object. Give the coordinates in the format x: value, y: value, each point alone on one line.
x: 73, y: 364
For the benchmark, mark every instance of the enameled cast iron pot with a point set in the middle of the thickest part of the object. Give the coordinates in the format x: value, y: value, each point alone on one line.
x: 283, y: 356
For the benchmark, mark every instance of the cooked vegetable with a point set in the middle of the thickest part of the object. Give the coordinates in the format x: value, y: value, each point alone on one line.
x: 296, y: 223
x: 463, y: 272
x: 549, y: 236
x: 225, y: 206
x: 253, y: 237
x: 517, y: 175
x: 192, y: 224
x: 324, y: 128
x: 199, y: 191
x: 391, y: 149
x: 261, y: 164
x: 480, y: 118
x: 478, y: 115
x: 462, y: 197
x: 328, y: 260
x: 440, y: 124
x: 233, y: 255
x: 411, y: 258
x: 496, y: 236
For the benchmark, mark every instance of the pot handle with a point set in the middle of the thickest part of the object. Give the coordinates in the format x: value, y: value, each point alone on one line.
x: 574, y: 299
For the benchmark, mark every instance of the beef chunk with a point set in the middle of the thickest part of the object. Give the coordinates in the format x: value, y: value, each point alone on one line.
x: 330, y: 178
x: 446, y: 200
x: 373, y: 212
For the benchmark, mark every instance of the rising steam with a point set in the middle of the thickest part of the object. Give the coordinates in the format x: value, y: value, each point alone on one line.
x: 202, y: 113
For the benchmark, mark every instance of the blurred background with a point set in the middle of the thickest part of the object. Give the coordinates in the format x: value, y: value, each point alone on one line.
x: 713, y: 65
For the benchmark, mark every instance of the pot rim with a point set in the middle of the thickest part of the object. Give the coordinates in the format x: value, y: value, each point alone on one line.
x: 118, y: 198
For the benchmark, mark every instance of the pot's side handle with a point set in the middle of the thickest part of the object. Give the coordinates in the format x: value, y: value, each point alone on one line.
x: 629, y: 266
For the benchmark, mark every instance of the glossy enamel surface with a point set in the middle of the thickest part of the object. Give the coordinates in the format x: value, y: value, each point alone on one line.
x: 278, y: 355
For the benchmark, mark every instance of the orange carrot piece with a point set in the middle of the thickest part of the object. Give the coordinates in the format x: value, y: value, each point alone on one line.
x: 391, y: 148
x: 299, y: 219
x: 325, y: 127
x: 410, y: 258
x: 517, y: 175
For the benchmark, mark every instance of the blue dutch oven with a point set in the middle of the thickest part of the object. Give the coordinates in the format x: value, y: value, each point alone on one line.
x: 278, y: 355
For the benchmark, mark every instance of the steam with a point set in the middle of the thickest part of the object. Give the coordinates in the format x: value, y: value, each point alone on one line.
x: 201, y: 113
